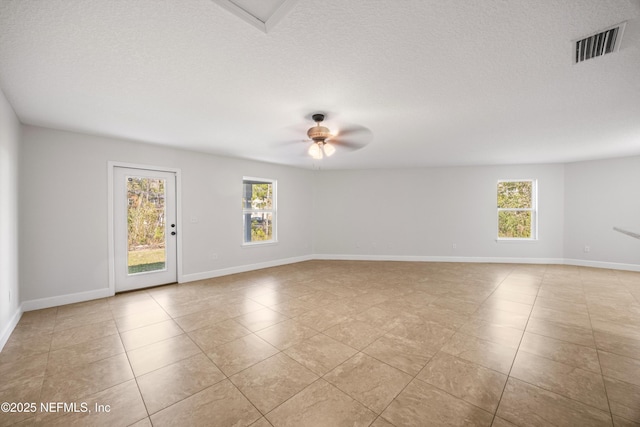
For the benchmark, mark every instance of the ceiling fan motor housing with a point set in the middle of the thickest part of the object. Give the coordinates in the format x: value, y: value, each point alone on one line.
x: 318, y: 133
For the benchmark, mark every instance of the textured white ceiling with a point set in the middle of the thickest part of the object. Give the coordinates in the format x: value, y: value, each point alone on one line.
x: 436, y: 82
x: 261, y: 9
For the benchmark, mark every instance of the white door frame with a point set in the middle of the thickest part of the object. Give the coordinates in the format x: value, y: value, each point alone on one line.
x: 110, y: 217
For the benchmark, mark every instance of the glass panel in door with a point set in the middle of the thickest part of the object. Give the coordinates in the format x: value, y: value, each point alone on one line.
x: 146, y: 224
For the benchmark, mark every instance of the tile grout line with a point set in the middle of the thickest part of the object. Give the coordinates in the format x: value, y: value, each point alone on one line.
x: 135, y: 377
x: 604, y: 385
x: 44, y: 374
x: 495, y: 414
x: 555, y: 392
x: 414, y: 377
x: 99, y: 360
x: 203, y: 352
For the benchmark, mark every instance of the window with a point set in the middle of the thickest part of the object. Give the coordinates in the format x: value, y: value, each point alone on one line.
x: 259, y: 210
x: 517, y: 210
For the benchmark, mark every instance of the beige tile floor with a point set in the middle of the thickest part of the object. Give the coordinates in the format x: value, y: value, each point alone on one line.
x: 337, y: 343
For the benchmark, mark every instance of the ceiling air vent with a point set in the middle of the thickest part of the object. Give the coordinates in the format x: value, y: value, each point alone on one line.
x: 607, y: 41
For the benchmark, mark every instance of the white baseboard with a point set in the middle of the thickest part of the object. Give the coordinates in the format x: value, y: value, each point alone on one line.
x: 243, y: 268
x: 41, y: 303
x: 414, y: 258
x: 499, y: 260
x: 37, y: 304
x: 6, y: 332
x: 603, y: 264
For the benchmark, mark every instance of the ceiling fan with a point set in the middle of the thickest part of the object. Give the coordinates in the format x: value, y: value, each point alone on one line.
x: 324, y: 141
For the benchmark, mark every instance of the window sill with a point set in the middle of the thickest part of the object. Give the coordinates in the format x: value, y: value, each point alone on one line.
x: 259, y: 244
x: 517, y: 240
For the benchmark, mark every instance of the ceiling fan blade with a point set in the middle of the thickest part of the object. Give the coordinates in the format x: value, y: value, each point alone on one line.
x: 352, y: 137
x: 354, y: 130
x: 289, y: 142
x: 348, y: 143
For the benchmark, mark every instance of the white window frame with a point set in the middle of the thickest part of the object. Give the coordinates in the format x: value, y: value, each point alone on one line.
x: 533, y: 209
x: 251, y: 211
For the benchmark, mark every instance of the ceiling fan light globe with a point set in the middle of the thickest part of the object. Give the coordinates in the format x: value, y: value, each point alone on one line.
x: 315, y: 151
x: 328, y: 149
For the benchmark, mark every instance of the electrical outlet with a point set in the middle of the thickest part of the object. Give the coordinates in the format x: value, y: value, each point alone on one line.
x: 214, y: 256
x: 587, y: 249
x: 453, y: 246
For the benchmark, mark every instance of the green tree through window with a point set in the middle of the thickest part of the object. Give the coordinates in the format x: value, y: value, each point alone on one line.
x: 146, y: 224
x: 517, y: 209
x: 258, y: 209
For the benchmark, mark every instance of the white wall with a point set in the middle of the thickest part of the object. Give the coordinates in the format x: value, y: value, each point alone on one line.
x: 601, y: 195
x: 422, y: 212
x: 9, y: 291
x: 63, y: 205
x: 384, y: 214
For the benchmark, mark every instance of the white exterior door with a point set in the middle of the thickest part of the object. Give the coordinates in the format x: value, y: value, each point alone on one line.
x: 145, y: 228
